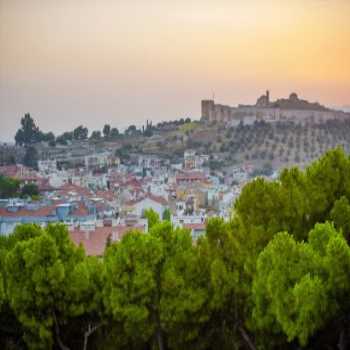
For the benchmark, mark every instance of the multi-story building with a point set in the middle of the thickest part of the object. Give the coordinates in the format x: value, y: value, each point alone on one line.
x: 47, y: 166
x: 190, y: 160
x: 100, y: 160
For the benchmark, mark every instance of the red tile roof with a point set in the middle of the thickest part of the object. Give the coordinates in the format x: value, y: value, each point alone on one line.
x: 158, y: 199
x: 42, y: 212
x: 67, y: 188
x: 107, y: 195
x: 81, y: 210
x: 94, y: 241
x: 195, y: 226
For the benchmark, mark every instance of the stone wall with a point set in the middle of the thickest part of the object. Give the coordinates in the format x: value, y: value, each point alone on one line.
x: 212, y: 112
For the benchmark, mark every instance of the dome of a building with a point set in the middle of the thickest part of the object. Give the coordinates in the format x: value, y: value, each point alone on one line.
x: 293, y: 96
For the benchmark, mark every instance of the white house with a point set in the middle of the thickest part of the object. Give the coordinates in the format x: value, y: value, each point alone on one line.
x: 58, y: 178
x: 158, y: 204
x: 47, y: 166
x: 183, y: 220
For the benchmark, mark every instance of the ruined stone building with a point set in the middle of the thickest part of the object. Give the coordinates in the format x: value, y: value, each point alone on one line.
x: 285, y: 109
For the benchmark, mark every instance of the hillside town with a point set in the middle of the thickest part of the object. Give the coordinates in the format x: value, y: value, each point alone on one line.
x: 98, y: 206
x: 186, y: 171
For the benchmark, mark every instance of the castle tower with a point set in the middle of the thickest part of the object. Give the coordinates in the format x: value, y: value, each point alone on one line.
x: 207, y: 110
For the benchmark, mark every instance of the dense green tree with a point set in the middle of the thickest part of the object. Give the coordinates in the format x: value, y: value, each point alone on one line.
x: 80, y: 133
x: 300, y: 286
x: 166, y: 216
x: 64, y: 138
x: 148, y: 132
x: 220, y: 274
x: 47, y: 283
x: 340, y: 214
x: 30, y: 190
x: 131, y: 130
x: 91, y: 317
x: 2, y: 290
x: 96, y: 135
x: 9, y: 187
x: 11, y: 330
x: 29, y: 133
x: 258, y: 204
x: 61, y: 140
x: 328, y: 180
x: 114, y: 133
x: 47, y: 137
x: 297, y: 201
x: 106, y: 131
x: 31, y: 157
x: 78, y: 322
x: 152, y: 217
x: 294, y: 203
x: 150, y: 286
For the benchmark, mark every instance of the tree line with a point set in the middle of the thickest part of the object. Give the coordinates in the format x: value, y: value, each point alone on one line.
x: 29, y: 133
x: 275, y: 276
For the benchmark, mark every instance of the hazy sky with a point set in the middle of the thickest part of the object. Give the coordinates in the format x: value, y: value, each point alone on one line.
x: 72, y: 62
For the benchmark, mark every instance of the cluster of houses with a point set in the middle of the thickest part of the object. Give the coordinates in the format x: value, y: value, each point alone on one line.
x: 101, y: 206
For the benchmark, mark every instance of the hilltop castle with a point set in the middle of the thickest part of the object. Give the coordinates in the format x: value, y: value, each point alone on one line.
x: 285, y: 109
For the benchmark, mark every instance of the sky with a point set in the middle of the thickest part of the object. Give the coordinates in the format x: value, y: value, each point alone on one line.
x: 92, y: 62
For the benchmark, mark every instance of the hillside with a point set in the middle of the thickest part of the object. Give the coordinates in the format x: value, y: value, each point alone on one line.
x: 281, y: 144
x: 278, y: 144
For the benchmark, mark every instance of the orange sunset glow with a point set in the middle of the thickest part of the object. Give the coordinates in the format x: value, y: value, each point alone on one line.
x: 73, y: 62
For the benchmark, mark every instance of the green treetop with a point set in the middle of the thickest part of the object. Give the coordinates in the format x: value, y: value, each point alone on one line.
x: 300, y: 286
x: 47, y: 283
x: 150, y: 286
x: 152, y: 217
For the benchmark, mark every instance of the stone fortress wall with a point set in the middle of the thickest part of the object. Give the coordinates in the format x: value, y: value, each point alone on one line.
x: 290, y: 109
